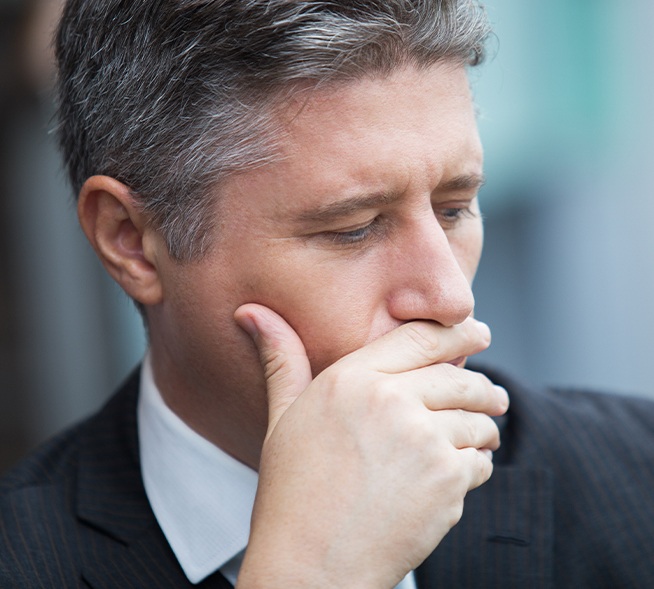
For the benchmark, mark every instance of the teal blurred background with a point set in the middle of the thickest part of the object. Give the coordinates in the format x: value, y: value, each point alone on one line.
x: 567, y: 280
x: 567, y: 277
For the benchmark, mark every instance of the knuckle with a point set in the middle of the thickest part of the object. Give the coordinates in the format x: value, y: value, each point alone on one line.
x: 468, y: 333
x: 470, y: 426
x: 451, y: 466
x: 484, y: 468
x: 465, y: 389
x: 273, y: 363
x: 459, y: 383
x: 485, y: 430
x: 422, y: 435
x: 477, y: 467
x: 475, y: 430
x: 388, y: 403
x: 385, y: 391
x: 338, y: 381
x: 478, y: 387
x: 423, y: 341
x: 474, y: 391
x: 494, y: 440
x: 462, y: 420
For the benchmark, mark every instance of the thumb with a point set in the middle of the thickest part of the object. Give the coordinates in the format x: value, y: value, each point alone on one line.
x: 282, y: 355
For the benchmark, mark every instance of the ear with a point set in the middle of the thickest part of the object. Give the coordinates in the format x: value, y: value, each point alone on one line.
x: 121, y: 237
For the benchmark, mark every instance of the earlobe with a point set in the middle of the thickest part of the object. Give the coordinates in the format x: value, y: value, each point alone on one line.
x: 121, y: 237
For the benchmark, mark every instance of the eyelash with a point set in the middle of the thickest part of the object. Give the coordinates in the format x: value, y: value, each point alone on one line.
x: 357, y: 235
x: 448, y: 218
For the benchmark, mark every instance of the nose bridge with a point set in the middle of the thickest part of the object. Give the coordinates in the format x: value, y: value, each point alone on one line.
x: 430, y: 283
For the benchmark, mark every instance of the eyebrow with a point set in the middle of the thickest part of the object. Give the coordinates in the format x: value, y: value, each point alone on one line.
x: 343, y: 208
x: 337, y: 210
x: 463, y: 182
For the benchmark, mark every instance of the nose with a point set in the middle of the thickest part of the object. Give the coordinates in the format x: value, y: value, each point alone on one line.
x: 426, y: 279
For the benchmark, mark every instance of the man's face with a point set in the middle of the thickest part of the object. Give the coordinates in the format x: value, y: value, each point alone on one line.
x: 369, y: 221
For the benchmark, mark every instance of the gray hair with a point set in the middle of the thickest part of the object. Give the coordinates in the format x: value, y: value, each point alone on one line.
x: 170, y: 97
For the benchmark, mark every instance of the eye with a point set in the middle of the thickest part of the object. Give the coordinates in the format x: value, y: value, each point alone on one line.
x: 356, y: 235
x: 449, y: 217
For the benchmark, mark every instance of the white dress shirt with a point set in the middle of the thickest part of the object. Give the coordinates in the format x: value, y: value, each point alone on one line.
x: 202, y: 497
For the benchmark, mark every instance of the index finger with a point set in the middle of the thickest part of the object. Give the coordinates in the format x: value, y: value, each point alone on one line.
x: 422, y: 343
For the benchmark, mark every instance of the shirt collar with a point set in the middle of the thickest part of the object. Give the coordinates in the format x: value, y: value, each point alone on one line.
x: 201, y: 497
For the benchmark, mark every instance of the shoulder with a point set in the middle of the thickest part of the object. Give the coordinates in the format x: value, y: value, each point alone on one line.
x: 596, y: 454
x: 553, y: 420
x: 40, y: 534
x: 36, y: 505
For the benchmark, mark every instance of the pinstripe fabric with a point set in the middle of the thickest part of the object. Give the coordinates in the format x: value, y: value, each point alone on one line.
x: 570, y: 505
x: 75, y: 513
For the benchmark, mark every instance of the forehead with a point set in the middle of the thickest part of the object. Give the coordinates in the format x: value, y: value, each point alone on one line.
x: 413, y: 128
x: 409, y: 114
x: 374, y: 91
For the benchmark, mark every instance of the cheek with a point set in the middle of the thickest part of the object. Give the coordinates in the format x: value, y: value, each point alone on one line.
x: 335, y: 308
x: 200, y: 317
x: 467, y: 247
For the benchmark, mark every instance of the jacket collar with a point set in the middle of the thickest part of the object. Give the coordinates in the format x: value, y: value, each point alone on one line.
x: 111, y: 500
x: 110, y: 493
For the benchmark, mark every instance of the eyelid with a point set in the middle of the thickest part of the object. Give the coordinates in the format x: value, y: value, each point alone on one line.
x: 456, y: 203
x: 451, y: 214
x: 356, y: 234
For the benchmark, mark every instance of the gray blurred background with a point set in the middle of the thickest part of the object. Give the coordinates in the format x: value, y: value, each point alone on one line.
x: 567, y: 277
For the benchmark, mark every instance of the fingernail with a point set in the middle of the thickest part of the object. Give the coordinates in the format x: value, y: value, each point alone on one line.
x: 246, y: 324
x: 503, y: 396
x: 488, y: 453
x: 483, y: 329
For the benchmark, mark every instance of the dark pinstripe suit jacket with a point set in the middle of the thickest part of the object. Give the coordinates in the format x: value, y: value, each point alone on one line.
x: 570, y: 504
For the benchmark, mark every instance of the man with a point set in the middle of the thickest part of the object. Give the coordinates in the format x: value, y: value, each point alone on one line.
x: 288, y: 190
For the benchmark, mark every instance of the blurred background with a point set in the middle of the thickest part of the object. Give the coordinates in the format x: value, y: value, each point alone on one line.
x: 567, y: 277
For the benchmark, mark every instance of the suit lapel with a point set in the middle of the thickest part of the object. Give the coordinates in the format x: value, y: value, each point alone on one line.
x: 127, y: 548
x: 504, y: 538
x: 143, y: 564
x: 110, y: 494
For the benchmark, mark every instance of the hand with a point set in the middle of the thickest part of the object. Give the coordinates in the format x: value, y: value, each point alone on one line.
x: 364, y: 469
